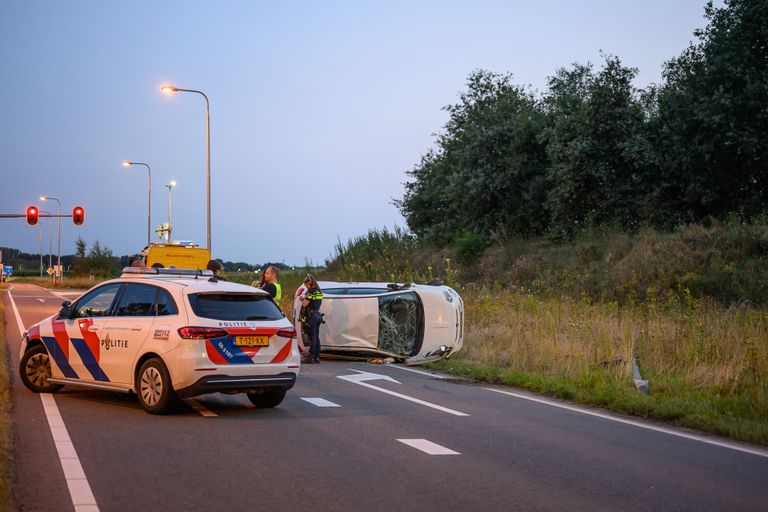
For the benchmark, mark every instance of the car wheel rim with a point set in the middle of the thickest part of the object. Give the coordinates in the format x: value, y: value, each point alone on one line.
x: 151, y: 386
x: 38, y: 369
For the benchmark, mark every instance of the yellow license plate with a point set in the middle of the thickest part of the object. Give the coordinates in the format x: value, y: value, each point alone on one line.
x: 251, y: 341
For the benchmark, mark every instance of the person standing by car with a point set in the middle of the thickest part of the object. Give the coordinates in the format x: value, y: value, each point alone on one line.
x: 270, y: 284
x: 310, y: 304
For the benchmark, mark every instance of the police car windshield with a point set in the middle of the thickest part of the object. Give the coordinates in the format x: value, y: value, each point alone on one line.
x: 231, y: 306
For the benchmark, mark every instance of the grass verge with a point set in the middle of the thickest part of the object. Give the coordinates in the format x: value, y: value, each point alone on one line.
x: 707, y: 366
x: 5, y: 419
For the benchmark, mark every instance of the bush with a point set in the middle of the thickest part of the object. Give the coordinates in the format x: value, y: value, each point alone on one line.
x: 469, y: 246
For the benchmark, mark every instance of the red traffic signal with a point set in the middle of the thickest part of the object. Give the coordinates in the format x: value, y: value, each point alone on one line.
x: 78, y: 215
x: 32, y: 215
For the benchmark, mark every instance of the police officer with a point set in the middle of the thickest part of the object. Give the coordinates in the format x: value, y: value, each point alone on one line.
x: 270, y: 285
x: 310, y: 304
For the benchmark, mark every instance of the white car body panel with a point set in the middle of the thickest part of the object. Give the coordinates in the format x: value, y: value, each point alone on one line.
x: 353, y: 321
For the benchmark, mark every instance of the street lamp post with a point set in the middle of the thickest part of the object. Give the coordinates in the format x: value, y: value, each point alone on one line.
x: 169, y: 89
x: 170, y: 186
x: 58, y: 232
x: 41, y: 249
x: 149, y: 194
x: 50, y: 240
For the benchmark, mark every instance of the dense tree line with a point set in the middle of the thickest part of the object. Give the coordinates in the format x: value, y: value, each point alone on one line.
x: 592, y: 149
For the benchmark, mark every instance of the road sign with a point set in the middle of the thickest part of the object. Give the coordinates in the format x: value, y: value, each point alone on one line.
x: 50, y: 271
x: 57, y: 269
x: 7, y: 270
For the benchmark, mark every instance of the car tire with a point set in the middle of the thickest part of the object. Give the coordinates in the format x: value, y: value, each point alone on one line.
x: 154, y: 388
x: 267, y: 398
x: 35, y: 369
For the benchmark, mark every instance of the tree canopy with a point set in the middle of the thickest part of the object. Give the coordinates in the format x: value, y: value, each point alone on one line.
x: 592, y: 149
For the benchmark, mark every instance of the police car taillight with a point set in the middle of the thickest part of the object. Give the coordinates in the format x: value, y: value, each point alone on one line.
x: 197, y: 333
x: 287, y: 332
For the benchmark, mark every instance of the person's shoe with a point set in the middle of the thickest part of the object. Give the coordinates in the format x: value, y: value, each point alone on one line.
x: 308, y: 360
x: 317, y: 360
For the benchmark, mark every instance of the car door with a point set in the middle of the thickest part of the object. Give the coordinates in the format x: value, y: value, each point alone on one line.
x: 127, y: 329
x: 83, y: 328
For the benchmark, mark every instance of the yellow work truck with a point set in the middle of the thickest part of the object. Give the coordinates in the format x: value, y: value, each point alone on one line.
x: 176, y: 255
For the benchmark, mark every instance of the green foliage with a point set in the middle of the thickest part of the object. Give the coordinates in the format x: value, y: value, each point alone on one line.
x: 469, y: 246
x: 712, y: 121
x: 80, y: 247
x: 592, y: 150
x: 99, y: 262
x: 597, y: 147
x: 488, y: 171
x: 378, y: 255
x: 724, y: 262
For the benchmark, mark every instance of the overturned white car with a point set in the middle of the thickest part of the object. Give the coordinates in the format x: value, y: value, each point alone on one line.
x: 412, y: 323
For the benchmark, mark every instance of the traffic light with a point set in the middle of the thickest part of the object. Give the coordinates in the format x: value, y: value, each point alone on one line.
x: 78, y: 215
x: 32, y: 215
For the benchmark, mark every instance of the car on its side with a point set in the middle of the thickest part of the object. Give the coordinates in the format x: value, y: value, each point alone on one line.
x: 165, y: 334
x: 412, y: 323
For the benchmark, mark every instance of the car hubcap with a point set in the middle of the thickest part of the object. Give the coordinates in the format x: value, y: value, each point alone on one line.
x: 38, y: 370
x: 151, y: 386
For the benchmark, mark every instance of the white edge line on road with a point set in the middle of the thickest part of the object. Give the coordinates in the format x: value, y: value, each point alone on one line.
x: 77, y: 483
x: 412, y: 399
x: 702, y: 439
x: 420, y: 372
x: 428, y: 447
x: 319, y: 402
x: 203, y: 410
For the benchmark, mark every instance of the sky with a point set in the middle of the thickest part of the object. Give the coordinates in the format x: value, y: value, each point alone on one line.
x: 318, y: 109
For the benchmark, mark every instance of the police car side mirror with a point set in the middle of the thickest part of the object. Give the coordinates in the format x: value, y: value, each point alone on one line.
x: 66, y: 309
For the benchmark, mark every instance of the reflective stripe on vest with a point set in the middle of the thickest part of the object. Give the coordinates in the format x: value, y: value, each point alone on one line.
x: 278, y: 292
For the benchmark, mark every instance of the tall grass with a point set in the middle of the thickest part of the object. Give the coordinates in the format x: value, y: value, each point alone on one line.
x: 708, y: 367
x: 725, y: 262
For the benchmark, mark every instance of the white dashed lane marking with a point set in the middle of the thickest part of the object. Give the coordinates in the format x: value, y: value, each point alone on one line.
x: 203, y: 410
x: 428, y: 447
x: 320, y: 402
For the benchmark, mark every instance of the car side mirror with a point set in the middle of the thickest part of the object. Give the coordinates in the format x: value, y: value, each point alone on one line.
x: 66, y: 309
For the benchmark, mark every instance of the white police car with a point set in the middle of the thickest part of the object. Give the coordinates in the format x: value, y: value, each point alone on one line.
x: 165, y: 334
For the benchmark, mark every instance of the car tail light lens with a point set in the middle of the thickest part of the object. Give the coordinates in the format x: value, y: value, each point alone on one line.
x: 196, y: 333
x: 287, y: 332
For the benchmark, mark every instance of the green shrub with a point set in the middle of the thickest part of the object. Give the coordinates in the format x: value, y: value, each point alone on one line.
x: 469, y: 246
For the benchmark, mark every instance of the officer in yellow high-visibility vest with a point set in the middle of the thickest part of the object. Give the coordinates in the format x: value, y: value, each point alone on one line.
x: 270, y: 284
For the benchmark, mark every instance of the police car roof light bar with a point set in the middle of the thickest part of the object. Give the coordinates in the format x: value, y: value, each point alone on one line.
x: 170, y: 272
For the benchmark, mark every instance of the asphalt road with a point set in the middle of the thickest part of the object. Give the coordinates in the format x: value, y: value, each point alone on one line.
x: 396, y: 440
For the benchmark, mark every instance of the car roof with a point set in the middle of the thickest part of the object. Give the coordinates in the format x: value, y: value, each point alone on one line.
x: 202, y: 284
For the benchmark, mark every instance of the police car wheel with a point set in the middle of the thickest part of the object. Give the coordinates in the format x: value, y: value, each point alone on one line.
x: 35, y: 369
x: 267, y: 398
x: 154, y: 389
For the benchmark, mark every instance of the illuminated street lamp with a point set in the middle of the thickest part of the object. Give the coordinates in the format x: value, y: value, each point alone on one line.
x: 149, y: 193
x: 58, y: 231
x: 170, y: 186
x: 171, y: 89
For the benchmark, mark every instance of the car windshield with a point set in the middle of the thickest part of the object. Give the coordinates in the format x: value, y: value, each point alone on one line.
x: 234, y: 306
x: 401, y: 324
